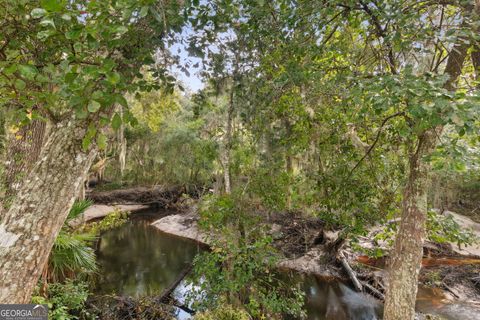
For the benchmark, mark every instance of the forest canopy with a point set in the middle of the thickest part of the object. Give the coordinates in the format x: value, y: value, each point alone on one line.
x: 358, y: 114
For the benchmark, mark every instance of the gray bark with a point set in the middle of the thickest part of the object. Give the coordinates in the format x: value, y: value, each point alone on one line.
x: 23, y: 149
x: 228, y: 143
x: 122, y: 142
x: 405, y: 260
x: 29, y: 228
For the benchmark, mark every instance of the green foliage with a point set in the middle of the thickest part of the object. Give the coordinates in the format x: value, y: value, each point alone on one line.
x: 240, y: 268
x: 444, y: 228
x: 113, y: 220
x: 89, y: 55
x: 223, y: 312
x: 66, y: 301
x: 168, y: 145
x: 72, y: 255
x: 271, y: 186
x: 77, y: 209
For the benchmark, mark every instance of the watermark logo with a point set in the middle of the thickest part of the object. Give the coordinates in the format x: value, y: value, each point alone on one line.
x: 23, y: 312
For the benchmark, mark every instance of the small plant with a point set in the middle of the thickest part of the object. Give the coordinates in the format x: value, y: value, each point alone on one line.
x: 433, y: 278
x: 443, y: 229
x: 113, y: 220
x: 223, y: 312
x: 65, y: 300
x: 72, y: 253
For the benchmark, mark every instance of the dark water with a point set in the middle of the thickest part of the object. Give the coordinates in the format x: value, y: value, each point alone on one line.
x: 326, y: 300
x: 138, y: 260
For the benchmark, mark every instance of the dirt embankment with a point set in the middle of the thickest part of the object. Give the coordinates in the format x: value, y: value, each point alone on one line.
x: 158, y: 197
x: 131, y: 200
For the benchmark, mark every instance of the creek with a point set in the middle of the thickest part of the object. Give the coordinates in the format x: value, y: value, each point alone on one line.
x: 138, y: 260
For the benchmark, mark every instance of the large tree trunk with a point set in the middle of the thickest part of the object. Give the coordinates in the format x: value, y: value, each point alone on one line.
x: 23, y: 149
x: 29, y: 228
x: 406, y: 258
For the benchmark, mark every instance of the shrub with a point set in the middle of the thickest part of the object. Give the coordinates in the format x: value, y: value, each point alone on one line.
x: 223, y: 312
x: 65, y: 300
x: 240, y: 269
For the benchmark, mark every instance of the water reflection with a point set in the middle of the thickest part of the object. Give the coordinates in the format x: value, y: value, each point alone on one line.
x: 333, y: 300
x: 434, y: 301
x: 138, y: 260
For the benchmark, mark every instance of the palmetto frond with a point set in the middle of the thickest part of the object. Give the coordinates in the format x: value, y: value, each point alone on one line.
x: 72, y: 252
x: 78, y: 208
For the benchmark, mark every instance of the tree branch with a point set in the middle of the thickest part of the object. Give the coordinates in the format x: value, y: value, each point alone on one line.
x: 376, y: 140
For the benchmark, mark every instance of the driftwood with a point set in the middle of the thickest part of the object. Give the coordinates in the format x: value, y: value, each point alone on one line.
x: 176, y: 303
x: 374, y: 291
x: 168, y: 291
x: 158, y: 196
x: 343, y: 260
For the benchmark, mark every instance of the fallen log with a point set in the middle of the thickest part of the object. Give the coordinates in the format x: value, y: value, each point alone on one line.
x: 343, y: 260
x: 164, y: 297
x: 374, y: 291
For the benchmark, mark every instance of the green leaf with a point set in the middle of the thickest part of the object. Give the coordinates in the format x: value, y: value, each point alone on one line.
x: 27, y: 71
x: 73, y: 34
x: 81, y: 113
x: 91, y: 131
x: 47, y: 22
x: 121, y: 30
x: 52, y: 5
x: 113, y: 77
x: 102, y: 141
x: 143, y: 11
x: 86, y: 143
x: 93, y: 106
x: 42, y: 35
x: 121, y: 100
x: 38, y: 13
x: 20, y: 84
x: 10, y: 69
x: 116, y: 121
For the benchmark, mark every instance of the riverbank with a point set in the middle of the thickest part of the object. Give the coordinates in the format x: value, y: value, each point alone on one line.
x: 308, y: 247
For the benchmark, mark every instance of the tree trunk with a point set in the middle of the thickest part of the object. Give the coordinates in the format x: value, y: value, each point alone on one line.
x: 29, y: 228
x: 122, y: 141
x: 288, y: 164
x: 228, y: 143
x: 23, y: 149
x: 406, y: 258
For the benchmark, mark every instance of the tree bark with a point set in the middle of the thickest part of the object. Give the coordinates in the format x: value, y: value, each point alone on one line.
x: 288, y: 164
x: 405, y: 260
x: 228, y: 143
x: 29, y: 228
x: 122, y: 141
x: 23, y: 149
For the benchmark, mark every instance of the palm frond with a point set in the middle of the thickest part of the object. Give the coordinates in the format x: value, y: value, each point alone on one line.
x: 78, y: 208
x: 72, y: 254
